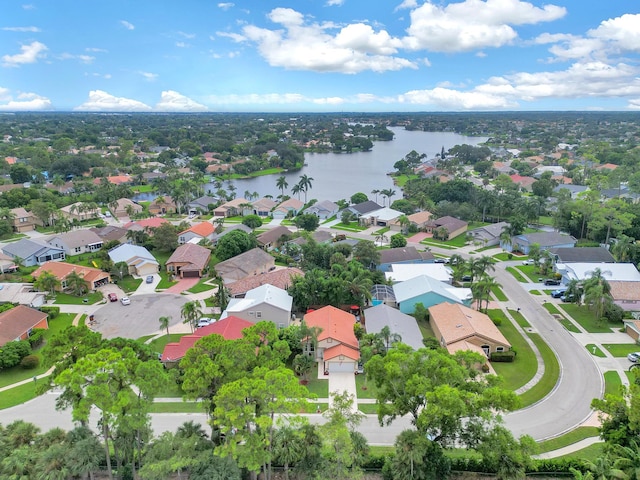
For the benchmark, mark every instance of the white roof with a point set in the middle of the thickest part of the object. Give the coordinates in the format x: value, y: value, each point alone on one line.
x: 384, y: 214
x: 401, y: 272
x: 268, y: 294
x: 126, y: 251
x: 621, y: 272
x: 423, y: 284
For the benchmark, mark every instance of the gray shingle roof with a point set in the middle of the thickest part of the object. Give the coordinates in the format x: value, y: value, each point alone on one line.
x: 586, y: 254
x: 380, y: 316
x: 25, y: 248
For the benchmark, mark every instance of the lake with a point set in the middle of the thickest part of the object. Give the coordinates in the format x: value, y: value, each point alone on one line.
x: 338, y: 176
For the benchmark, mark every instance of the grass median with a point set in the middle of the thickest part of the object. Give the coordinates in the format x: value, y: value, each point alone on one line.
x: 550, y: 377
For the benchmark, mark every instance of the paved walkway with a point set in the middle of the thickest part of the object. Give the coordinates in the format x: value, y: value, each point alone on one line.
x: 182, y: 285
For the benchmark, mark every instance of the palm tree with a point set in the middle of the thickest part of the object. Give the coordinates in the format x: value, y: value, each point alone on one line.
x: 281, y: 183
x: 388, y: 337
x: 305, y: 184
x: 76, y: 284
x: 574, y: 291
x: 47, y: 282
x: 296, y: 189
x: 164, y: 323
x: 375, y: 192
x: 486, y: 284
x: 288, y: 447
x: 381, y: 237
x: 623, y: 248
x: 388, y: 193
x: 404, y: 223
x: 190, y: 313
x: 628, y: 459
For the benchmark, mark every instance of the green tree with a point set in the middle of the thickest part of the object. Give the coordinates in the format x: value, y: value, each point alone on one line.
x: 191, y: 313
x: 76, y: 284
x: 165, y: 237
x: 508, y: 457
x: 366, y: 253
x: 305, y: 184
x: 234, y: 243
x: 164, y: 323
x: 398, y: 240
x: 252, y: 221
x: 121, y: 269
x: 307, y: 221
x: 358, y: 198
x: 281, y: 183
x: 418, y: 458
x: 47, y: 282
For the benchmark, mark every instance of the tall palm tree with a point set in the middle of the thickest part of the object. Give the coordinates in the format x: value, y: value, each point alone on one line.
x: 375, y: 192
x: 281, y: 183
x: 305, y: 184
x: 296, y: 189
x: 76, y: 284
x: 190, y: 313
x: 288, y: 447
x: 47, y: 282
x: 404, y: 223
x: 164, y: 323
x: 388, y: 337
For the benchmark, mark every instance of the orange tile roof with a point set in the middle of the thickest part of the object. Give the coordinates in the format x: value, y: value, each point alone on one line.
x: 335, y: 323
x: 10, y: 160
x: 342, y: 349
x: 457, y: 322
x: 203, y: 229
x: 62, y: 269
x: 153, y: 222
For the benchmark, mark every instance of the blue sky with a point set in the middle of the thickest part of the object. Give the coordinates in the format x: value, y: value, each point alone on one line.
x: 308, y: 55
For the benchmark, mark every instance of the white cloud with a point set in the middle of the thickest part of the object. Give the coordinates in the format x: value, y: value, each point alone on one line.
x: 236, y: 37
x: 634, y: 104
x: 21, y: 29
x: 473, y: 24
x: 127, y: 25
x: 29, y: 7
x: 295, y: 98
x: 187, y: 35
x: 95, y: 50
x: 100, y: 101
x: 150, y: 77
x: 449, y: 99
x: 333, y: 3
x: 81, y: 58
x: 175, y: 102
x: 26, y: 102
x: 226, y: 5
x: 28, y: 54
x: 182, y: 45
x: 621, y: 31
x: 406, y: 4
x: 309, y: 46
x: 329, y: 101
x: 100, y: 75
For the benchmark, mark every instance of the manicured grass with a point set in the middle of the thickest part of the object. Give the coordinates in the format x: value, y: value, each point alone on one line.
x: 315, y: 407
x: 544, y: 220
x: 459, y: 241
x: 145, y: 338
x: 550, y: 377
x: 382, y: 231
x: 425, y: 329
x: 518, y: 276
x: 201, y: 286
x: 499, y: 294
x: 435, y: 243
x: 589, y: 453
x: 259, y: 173
x: 159, y: 343
x: 621, y: 349
x: 568, y: 438
x: 351, y: 227
x: 176, y: 407
x: 318, y: 387
x: 369, y: 391
x: 143, y: 188
x: 594, y: 350
x: 67, y: 299
x: 129, y: 284
x: 368, y: 408
x: 164, y: 282
x: 612, y: 382
x: 534, y: 292
x: 525, y: 365
x: 18, y: 395
x: 503, y: 257
x: 379, y: 450
x: 551, y: 308
x: 519, y: 318
x: 585, y: 318
x: 400, y: 180
x: 631, y: 375
x: 568, y: 324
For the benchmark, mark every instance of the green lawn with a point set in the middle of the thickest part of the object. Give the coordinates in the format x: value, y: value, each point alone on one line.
x: 568, y: 324
x: 585, y: 318
x: 164, y: 282
x: 519, y: 318
x: 499, y: 294
x: 129, y: 284
x: 368, y: 408
x: 143, y: 188
x: 621, y: 349
x: 425, y: 329
x: 400, y: 180
x: 18, y: 395
x: 365, y: 392
x: 177, y: 407
x: 568, y: 438
x: 550, y: 377
x: 551, y: 308
x: 319, y: 387
x: 594, y: 350
x: 504, y: 256
x: 201, y: 286
x: 589, y: 453
x: 544, y: 220
x: 631, y: 375
x: 351, y: 227
x: 459, y: 241
x: 518, y: 276
x: 436, y: 243
x: 612, y: 382
x: 534, y: 292
x: 159, y: 343
x: 525, y: 365
x: 382, y: 231
x: 67, y: 299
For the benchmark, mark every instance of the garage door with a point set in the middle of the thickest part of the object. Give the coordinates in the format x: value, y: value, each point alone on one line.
x: 345, y: 366
x: 190, y: 274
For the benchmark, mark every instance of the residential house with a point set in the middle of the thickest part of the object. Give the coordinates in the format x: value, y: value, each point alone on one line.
x: 76, y: 242
x: 402, y: 255
x: 32, y: 252
x: 546, y: 241
x: 612, y: 272
x: 238, y: 226
x: 626, y: 295
x: 265, y: 302
x: 18, y: 323
x: 202, y: 204
x: 382, y: 217
x: 401, y: 272
x: 318, y: 236
x: 632, y: 328
x: 23, y: 221
x: 229, y: 328
x: 459, y: 328
x: 114, y: 179
x: 125, y: 207
x: 401, y: 324
x: 362, y: 208
x: 161, y: 206
x: 138, y: 259
x: 271, y: 238
x: 453, y: 226
x: 582, y: 255
x: 574, y: 190
x: 280, y: 277
x: 188, y: 260
x: 419, y: 220
x: 288, y: 208
x: 263, y: 207
x: 235, y: 207
x: 337, y: 347
x: 254, y: 262
x: 111, y: 233
x: 61, y: 270
x: 79, y: 211
x: 22, y: 294
x: 488, y: 235
x: 199, y: 231
x: 323, y: 210
x: 147, y: 224
x: 382, y: 293
x: 7, y: 264
x: 429, y: 292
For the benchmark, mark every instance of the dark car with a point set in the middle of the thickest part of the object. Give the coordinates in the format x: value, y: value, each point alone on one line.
x: 551, y: 281
x: 150, y: 279
x: 466, y: 278
x: 567, y: 298
x: 558, y: 293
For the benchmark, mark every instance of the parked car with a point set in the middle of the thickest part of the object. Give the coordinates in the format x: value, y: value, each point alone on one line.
x: 634, y: 357
x: 203, y: 322
x: 551, y: 281
x: 558, y: 293
x: 107, y: 214
x: 113, y: 297
x: 149, y: 279
x: 466, y: 278
x: 528, y: 262
x: 125, y: 301
x: 567, y: 298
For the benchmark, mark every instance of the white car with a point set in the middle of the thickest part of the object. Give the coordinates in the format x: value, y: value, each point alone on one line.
x: 203, y: 322
x: 125, y: 301
x: 527, y: 262
x: 634, y: 357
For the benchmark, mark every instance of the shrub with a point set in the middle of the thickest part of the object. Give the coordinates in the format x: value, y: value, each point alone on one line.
x: 497, y: 321
x: 398, y: 241
x: 37, y: 337
x: 252, y: 221
x: 30, y: 362
x: 507, y: 357
x: 613, y: 313
x: 53, y: 312
x: 12, y: 352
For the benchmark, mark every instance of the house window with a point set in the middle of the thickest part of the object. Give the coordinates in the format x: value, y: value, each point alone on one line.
x: 281, y: 325
x: 78, y: 249
x: 258, y: 314
x: 499, y: 349
x: 251, y: 313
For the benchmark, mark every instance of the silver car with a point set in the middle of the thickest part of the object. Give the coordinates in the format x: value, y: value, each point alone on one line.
x: 634, y: 357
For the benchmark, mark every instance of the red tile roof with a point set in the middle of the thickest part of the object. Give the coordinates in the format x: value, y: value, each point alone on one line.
x: 335, y: 323
x: 16, y: 321
x: 335, y: 352
x: 230, y: 328
x: 203, y: 229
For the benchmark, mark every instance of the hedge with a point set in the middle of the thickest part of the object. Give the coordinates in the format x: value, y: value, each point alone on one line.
x: 506, y: 357
x: 37, y: 337
x: 53, y: 312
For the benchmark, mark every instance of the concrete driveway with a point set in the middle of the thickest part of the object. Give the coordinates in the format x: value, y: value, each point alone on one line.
x: 148, y: 287
x: 140, y: 318
x: 182, y: 285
